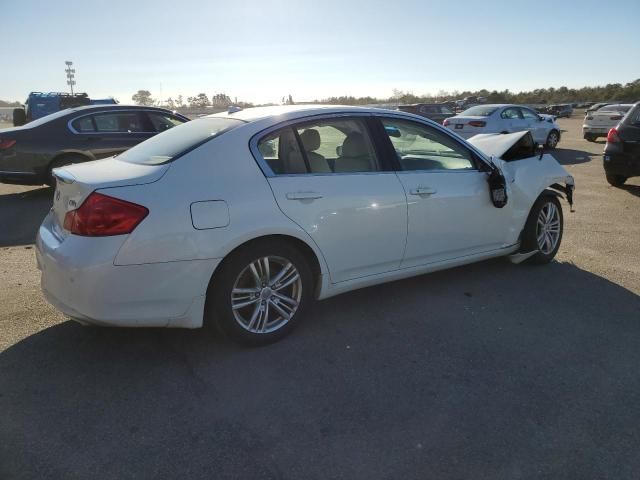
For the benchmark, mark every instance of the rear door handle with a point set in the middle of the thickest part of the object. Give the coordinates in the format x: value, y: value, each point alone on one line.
x: 422, y: 191
x: 303, y: 195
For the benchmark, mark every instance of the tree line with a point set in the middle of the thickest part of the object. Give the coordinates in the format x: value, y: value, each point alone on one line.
x: 627, y: 93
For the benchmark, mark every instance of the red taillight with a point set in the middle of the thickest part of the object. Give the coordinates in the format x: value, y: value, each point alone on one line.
x: 101, y: 216
x: 612, y: 136
x: 616, y: 117
x: 6, y: 143
x: 477, y: 123
x: 445, y: 122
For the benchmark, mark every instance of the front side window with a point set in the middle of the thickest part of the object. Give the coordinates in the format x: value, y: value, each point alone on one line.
x: 163, y: 121
x: 124, y: 122
x: 323, y: 146
x: 420, y: 147
x: 511, y: 114
x: 529, y: 114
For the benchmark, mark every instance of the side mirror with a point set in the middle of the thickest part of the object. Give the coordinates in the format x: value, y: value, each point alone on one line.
x: 541, y: 119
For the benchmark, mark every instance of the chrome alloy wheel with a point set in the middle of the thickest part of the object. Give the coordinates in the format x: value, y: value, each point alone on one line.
x: 266, y: 294
x: 553, y: 139
x: 548, y: 228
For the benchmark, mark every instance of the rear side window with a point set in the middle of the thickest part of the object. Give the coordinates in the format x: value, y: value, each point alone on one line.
x: 83, y: 124
x: 323, y: 146
x: 172, y: 143
x: 478, y: 111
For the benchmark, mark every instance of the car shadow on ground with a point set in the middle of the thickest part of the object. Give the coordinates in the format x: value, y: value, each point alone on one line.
x: 501, y: 370
x: 632, y: 189
x: 566, y: 156
x: 23, y: 213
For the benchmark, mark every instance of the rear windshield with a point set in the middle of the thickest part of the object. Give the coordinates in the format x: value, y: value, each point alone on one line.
x: 615, y: 108
x: 478, y: 111
x: 171, y: 143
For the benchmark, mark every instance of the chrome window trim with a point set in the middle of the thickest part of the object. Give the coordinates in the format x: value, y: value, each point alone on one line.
x: 128, y: 110
x: 266, y: 169
x: 9, y: 172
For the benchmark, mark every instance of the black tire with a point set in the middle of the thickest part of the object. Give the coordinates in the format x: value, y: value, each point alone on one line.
x: 61, y: 162
x: 616, y: 180
x: 19, y: 117
x: 552, y: 139
x: 530, y: 233
x: 219, y: 311
x: 590, y: 138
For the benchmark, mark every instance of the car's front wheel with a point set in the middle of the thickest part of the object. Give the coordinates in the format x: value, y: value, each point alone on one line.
x: 543, y: 230
x: 260, y: 292
x: 552, y: 139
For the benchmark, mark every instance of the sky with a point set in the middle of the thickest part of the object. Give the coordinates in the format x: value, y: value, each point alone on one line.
x: 260, y: 51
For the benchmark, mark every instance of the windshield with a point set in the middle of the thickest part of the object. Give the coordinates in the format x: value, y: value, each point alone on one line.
x: 479, y: 111
x: 171, y: 143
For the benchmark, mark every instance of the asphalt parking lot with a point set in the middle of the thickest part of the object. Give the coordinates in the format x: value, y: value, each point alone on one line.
x: 487, y: 371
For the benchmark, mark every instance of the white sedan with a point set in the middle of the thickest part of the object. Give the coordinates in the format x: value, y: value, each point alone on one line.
x: 244, y: 219
x: 505, y: 119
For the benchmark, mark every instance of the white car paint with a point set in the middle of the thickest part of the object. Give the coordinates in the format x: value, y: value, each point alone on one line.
x: 527, y: 120
x: 597, y: 124
x: 362, y: 228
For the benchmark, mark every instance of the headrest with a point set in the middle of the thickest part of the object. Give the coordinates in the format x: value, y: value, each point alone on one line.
x: 310, y: 139
x: 354, y: 145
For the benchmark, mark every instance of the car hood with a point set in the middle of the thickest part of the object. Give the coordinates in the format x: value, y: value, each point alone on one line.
x: 495, y: 144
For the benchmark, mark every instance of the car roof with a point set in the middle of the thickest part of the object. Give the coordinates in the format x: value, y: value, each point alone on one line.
x: 290, y: 112
x: 118, y: 106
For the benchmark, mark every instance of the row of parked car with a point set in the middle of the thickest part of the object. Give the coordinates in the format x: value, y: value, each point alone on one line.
x: 492, y: 118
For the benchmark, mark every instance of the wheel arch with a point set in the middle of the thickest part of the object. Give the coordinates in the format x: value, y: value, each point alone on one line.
x: 310, y: 252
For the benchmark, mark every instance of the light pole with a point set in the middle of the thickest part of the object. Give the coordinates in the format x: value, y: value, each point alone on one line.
x: 70, y: 75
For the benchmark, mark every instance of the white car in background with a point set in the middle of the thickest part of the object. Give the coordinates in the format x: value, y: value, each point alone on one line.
x: 244, y: 219
x: 598, y: 123
x: 505, y: 119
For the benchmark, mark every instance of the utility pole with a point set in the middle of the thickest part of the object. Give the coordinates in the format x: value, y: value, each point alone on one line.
x: 70, y: 75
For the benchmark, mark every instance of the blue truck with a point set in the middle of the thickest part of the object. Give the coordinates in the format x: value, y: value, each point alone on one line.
x: 39, y: 104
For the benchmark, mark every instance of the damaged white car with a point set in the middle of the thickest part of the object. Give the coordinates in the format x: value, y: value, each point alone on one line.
x: 243, y: 219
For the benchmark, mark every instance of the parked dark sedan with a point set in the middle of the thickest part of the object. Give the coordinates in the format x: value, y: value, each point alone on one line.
x: 29, y: 153
x: 433, y: 111
x: 622, y: 151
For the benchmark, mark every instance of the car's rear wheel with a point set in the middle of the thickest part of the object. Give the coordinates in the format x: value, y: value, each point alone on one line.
x: 61, y: 162
x: 590, y: 138
x: 543, y: 230
x: 260, y: 292
x: 552, y: 139
x: 616, y: 180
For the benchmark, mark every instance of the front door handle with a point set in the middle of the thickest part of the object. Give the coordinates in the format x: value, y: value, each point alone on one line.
x: 303, y: 195
x: 422, y: 191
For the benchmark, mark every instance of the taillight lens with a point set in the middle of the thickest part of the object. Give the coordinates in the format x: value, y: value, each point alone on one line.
x: 101, y: 215
x: 616, y: 117
x: 612, y: 136
x: 445, y: 122
x: 477, y: 123
x: 6, y: 143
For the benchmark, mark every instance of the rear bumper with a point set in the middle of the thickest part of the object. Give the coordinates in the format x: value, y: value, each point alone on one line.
x: 80, y: 279
x: 621, y: 164
x: 595, y: 130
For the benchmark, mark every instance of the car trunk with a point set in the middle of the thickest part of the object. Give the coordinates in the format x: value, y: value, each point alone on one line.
x: 604, y: 120
x: 463, y: 126
x: 74, y: 183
